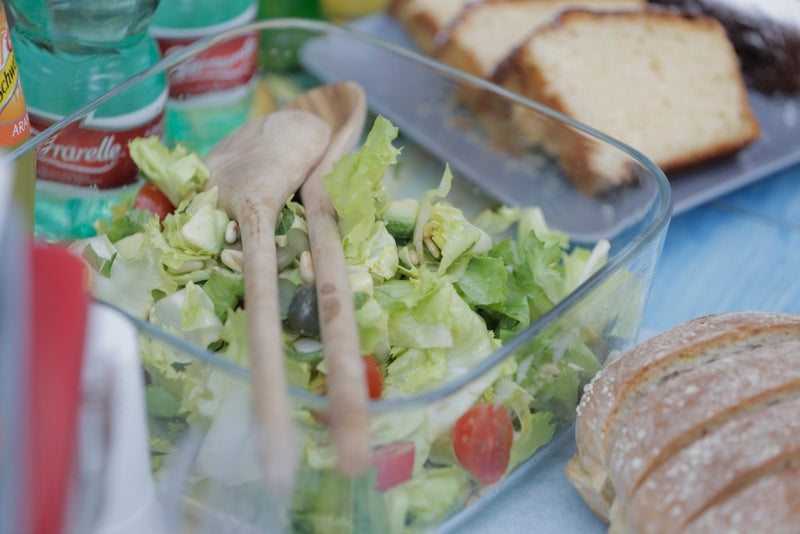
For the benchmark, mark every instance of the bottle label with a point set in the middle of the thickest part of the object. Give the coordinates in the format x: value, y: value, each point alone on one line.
x: 224, y: 66
x: 93, y: 151
x: 15, y: 125
x: 227, y: 65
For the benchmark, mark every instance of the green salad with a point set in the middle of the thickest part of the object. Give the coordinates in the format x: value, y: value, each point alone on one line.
x: 434, y: 293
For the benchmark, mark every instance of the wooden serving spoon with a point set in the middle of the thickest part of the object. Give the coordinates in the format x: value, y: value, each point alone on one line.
x: 344, y: 107
x: 257, y: 168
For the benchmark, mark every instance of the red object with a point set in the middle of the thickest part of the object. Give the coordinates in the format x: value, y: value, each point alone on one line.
x: 85, y: 154
x: 224, y: 66
x: 393, y: 463
x: 482, y: 441
x: 58, y: 330
x: 374, y: 377
x: 151, y: 198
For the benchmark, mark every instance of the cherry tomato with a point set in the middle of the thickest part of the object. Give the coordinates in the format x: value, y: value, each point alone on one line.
x: 393, y: 463
x: 482, y: 441
x: 152, y: 199
x: 374, y: 377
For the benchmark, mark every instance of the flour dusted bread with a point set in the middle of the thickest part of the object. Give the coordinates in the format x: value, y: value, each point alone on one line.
x: 706, y: 397
x: 666, y: 84
x: 770, y: 504
x: 485, y: 33
x: 425, y: 19
x: 690, y: 419
x: 723, y: 461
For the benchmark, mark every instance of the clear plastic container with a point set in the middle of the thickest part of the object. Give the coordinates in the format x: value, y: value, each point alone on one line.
x: 205, y: 465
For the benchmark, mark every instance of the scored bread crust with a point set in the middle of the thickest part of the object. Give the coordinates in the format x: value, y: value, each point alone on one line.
x: 609, y: 398
x: 770, y: 504
x: 720, y: 463
x: 706, y: 397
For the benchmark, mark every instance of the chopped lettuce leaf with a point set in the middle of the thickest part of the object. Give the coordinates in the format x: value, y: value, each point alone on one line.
x: 226, y: 291
x: 426, y: 499
x: 484, y: 282
x: 360, y: 199
x: 178, y: 173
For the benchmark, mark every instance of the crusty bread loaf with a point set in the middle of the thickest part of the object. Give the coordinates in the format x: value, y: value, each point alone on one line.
x: 768, y: 505
x: 424, y: 19
x: 668, y: 85
x: 484, y: 34
x: 706, y: 397
x: 609, y: 399
x: 723, y: 461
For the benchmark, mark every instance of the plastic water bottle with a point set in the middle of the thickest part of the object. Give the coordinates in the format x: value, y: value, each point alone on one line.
x: 279, y: 48
x: 71, y: 52
x: 210, y: 93
x: 15, y: 126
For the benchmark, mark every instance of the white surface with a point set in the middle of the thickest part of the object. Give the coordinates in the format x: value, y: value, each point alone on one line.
x: 115, y: 492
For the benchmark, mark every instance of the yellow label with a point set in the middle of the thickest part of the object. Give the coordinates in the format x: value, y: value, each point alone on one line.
x: 15, y: 125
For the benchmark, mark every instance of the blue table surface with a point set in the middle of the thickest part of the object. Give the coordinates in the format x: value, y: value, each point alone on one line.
x: 738, y: 252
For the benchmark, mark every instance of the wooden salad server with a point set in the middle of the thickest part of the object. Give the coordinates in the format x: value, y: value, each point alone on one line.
x: 343, y: 106
x: 257, y: 168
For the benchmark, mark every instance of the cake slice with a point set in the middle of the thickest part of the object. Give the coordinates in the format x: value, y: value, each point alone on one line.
x: 667, y: 85
x: 424, y: 19
x: 484, y: 34
x: 765, y: 34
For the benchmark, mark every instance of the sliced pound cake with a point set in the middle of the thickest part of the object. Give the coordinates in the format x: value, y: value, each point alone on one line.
x: 666, y: 84
x: 424, y: 19
x: 484, y: 34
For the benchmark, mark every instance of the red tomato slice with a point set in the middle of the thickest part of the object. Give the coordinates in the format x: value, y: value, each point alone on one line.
x: 374, y: 377
x: 393, y: 463
x: 482, y: 441
x: 152, y: 199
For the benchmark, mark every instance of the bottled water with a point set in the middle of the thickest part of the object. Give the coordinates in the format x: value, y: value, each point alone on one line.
x: 211, y: 93
x: 71, y: 52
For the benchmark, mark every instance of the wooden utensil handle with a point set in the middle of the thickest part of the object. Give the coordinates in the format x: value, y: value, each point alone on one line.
x: 265, y: 339
x: 347, y: 390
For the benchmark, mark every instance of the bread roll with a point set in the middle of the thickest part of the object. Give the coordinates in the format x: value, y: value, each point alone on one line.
x: 725, y: 460
x: 705, y: 398
x: 611, y: 397
x: 770, y: 504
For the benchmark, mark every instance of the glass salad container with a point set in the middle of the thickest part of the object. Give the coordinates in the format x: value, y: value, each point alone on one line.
x: 485, y: 343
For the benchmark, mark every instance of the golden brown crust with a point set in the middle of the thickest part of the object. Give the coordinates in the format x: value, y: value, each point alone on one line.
x: 714, y: 466
x: 609, y: 398
x: 771, y: 504
x: 705, y: 397
x: 521, y: 72
x: 423, y: 27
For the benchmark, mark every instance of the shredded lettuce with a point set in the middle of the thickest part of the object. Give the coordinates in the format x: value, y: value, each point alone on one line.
x: 178, y: 173
x: 433, y: 298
